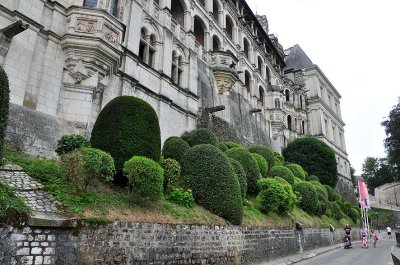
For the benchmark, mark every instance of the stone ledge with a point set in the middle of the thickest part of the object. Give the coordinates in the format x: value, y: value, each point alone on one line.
x: 45, y: 219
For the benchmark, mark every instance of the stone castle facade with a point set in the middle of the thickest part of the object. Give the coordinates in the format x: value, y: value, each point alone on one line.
x: 199, y: 63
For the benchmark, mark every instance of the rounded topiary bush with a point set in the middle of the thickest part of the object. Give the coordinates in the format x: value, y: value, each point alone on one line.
x: 249, y: 165
x: 241, y: 175
x: 202, y: 136
x: 127, y: 127
x: 312, y: 177
x: 208, y: 172
x: 145, y: 178
x: 275, y: 196
x: 231, y: 145
x: 4, y: 109
x: 172, y: 174
x: 174, y: 147
x: 354, y: 215
x: 279, y: 157
x: 85, y: 167
x: 315, y: 156
x: 308, y: 197
x: 336, y: 211
x: 222, y: 146
x: 319, y: 187
x: 297, y: 171
x: 265, y: 152
x: 283, y: 172
x: 323, y: 203
x: 262, y: 164
x: 70, y: 142
x: 297, y: 181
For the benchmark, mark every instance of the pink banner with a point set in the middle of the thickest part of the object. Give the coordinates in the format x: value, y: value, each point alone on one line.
x: 363, y: 190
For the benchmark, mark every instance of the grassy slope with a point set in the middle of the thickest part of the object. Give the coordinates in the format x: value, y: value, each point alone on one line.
x: 112, y: 203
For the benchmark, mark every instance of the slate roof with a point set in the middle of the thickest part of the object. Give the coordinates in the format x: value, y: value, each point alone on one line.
x: 297, y: 59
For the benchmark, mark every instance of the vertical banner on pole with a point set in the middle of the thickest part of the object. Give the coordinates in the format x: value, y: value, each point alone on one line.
x: 364, y: 202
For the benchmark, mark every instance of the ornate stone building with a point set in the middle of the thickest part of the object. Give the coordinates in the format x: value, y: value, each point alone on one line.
x: 199, y: 63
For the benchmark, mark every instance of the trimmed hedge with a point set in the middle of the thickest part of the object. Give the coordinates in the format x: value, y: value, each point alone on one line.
x: 265, y: 152
x: 275, y: 195
x: 336, y: 211
x: 208, y: 172
x: 201, y: 136
x: 231, y: 145
x: 172, y: 174
x: 262, y: 164
x: 241, y: 175
x: 174, y: 147
x: 283, y: 172
x: 145, y: 178
x: 297, y: 171
x: 86, y: 166
x: 127, y: 127
x: 70, y: 142
x: 249, y: 165
x: 320, y: 188
x: 278, y: 157
x: 354, y: 215
x: 4, y: 109
x: 308, y: 197
x: 315, y: 156
x: 222, y: 146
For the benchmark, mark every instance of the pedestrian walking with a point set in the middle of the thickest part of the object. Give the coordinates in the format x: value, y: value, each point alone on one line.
x: 389, y: 231
x: 364, y: 239
x: 373, y: 236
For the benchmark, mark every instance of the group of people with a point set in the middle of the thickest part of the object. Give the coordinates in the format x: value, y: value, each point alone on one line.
x: 365, y: 235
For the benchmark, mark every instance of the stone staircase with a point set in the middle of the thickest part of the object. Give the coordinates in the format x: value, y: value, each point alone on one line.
x: 44, y: 207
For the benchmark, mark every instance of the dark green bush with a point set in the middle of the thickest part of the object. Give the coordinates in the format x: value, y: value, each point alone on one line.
x: 174, y: 147
x: 86, y: 167
x: 127, y: 127
x: 279, y: 157
x: 145, y: 178
x: 249, y: 165
x: 172, y: 174
x: 181, y: 197
x: 297, y: 181
x: 4, y: 109
x: 208, y: 172
x: 336, y: 211
x: 283, y: 172
x: 202, y: 136
x: 231, y: 145
x: 275, y: 195
x: 222, y: 146
x: 354, y: 215
x: 312, y: 177
x: 265, y: 152
x: 315, y: 156
x: 308, y: 197
x: 241, y: 175
x: 323, y: 203
x: 262, y: 164
x: 297, y: 171
x: 320, y: 188
x: 70, y: 142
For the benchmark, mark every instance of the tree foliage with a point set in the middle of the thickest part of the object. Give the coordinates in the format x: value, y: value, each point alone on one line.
x: 315, y: 157
x: 392, y: 141
x: 377, y: 172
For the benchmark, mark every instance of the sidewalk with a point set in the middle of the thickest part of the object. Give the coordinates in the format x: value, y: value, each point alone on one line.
x: 301, y: 256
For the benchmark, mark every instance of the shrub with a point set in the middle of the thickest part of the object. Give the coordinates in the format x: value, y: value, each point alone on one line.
x: 4, y: 109
x: 354, y: 215
x: 181, y: 197
x: 275, y: 195
x: 174, y: 147
x: 70, y: 142
x: 145, y: 178
x: 323, y: 203
x: 316, y: 157
x: 297, y: 181
x: 87, y: 166
x: 312, y: 177
x: 320, y: 188
x: 297, y: 171
x: 202, y: 136
x: 241, y: 175
x: 231, y: 145
x: 262, y: 164
x: 278, y: 157
x: 222, y: 146
x: 12, y: 207
x: 347, y: 208
x: 308, y: 197
x: 214, y: 184
x: 249, y: 165
x: 265, y: 152
x: 127, y: 127
x: 336, y: 211
x: 172, y: 173
x: 283, y: 172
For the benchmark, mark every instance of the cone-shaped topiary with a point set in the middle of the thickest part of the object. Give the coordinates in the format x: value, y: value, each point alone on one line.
x: 249, y: 165
x: 201, y: 136
x: 283, y: 172
x: 174, y: 147
x: 237, y: 167
x: 126, y: 127
x: 4, y: 109
x: 208, y: 172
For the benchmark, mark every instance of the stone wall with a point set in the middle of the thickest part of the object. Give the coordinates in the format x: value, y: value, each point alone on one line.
x: 388, y: 193
x: 135, y: 243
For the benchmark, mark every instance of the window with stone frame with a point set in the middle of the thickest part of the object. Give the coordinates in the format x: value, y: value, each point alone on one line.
x: 260, y: 63
x: 267, y: 75
x: 216, y: 43
x: 247, y: 78
x: 199, y: 31
x: 303, y: 127
x: 90, y: 3
x: 301, y: 101
x: 287, y: 95
x: 111, y: 6
x: 262, y: 95
x: 229, y: 27
x: 246, y: 48
x: 277, y: 104
x: 215, y: 11
x: 289, y: 122
x: 177, y: 69
x: 178, y: 12
x: 147, y: 48
x: 114, y: 8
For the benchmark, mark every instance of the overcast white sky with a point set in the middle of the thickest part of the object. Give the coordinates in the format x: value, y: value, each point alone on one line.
x: 356, y: 44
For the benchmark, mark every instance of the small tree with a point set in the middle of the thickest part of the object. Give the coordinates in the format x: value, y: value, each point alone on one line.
x: 4, y: 109
x: 70, y: 142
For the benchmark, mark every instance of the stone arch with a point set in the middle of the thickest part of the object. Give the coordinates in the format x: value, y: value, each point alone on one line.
x: 216, y: 43
x: 229, y: 26
x: 178, y: 9
x: 261, y: 92
x: 217, y: 7
x: 199, y: 30
x: 247, y: 80
x: 259, y: 64
x: 289, y: 122
x: 246, y: 47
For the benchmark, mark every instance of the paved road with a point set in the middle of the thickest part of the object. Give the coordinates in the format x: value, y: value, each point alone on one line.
x: 356, y: 255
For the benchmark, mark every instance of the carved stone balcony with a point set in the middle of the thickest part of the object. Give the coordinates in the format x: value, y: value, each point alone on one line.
x: 223, y: 65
